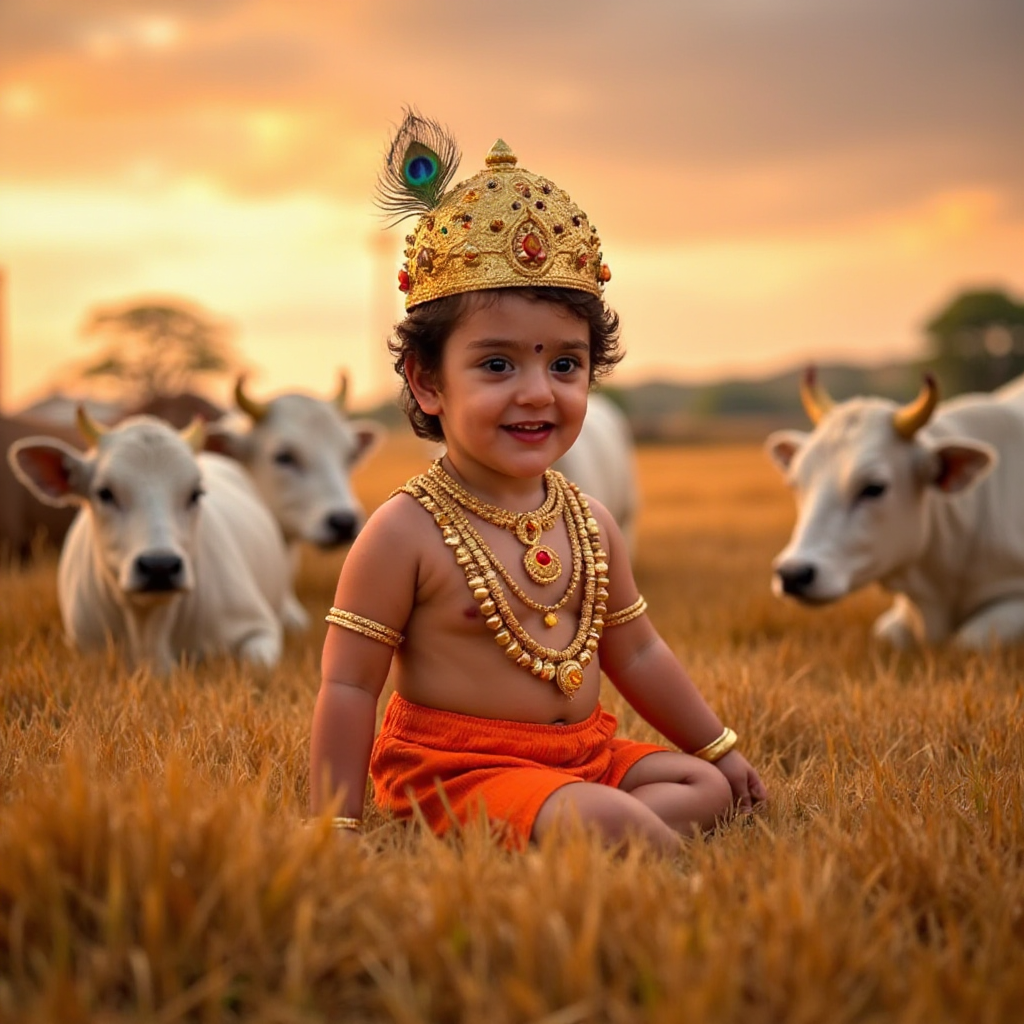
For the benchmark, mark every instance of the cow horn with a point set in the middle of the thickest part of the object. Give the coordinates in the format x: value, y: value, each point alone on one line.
x: 341, y: 398
x: 817, y: 401
x: 194, y: 435
x: 255, y: 410
x: 88, y: 427
x: 910, y: 418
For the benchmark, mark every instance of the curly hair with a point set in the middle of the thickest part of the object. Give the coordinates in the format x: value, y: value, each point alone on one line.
x: 426, y: 328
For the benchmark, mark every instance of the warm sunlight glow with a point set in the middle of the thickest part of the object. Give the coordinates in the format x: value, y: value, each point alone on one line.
x: 957, y: 214
x: 157, y: 32
x: 272, y: 129
x: 106, y: 40
x: 19, y: 101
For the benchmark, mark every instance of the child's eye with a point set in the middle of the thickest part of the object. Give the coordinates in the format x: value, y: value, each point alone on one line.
x: 565, y: 364
x: 497, y: 365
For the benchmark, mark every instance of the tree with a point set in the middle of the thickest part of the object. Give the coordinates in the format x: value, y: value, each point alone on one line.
x: 156, y: 347
x: 977, y: 341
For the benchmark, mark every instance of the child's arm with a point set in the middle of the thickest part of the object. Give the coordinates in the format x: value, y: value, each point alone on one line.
x: 377, y: 582
x: 650, y: 677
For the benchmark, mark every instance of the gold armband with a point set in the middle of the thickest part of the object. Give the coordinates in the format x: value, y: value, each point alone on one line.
x: 718, y: 748
x: 628, y: 614
x: 374, y: 630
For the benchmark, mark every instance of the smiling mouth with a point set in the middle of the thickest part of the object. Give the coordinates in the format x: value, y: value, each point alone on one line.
x: 529, y: 433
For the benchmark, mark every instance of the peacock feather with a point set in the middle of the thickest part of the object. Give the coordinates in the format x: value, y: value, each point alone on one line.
x: 422, y: 159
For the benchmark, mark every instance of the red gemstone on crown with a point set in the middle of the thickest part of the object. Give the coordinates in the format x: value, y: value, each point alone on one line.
x: 403, y: 280
x: 543, y: 558
x: 532, y: 246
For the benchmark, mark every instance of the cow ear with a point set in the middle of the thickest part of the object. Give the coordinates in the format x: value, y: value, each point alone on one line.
x: 225, y: 441
x: 959, y: 465
x: 53, y: 471
x: 782, y: 445
x: 369, y: 436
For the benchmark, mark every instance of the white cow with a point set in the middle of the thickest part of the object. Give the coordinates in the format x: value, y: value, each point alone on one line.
x: 171, y: 554
x: 927, y: 505
x: 300, y: 452
x: 602, y: 464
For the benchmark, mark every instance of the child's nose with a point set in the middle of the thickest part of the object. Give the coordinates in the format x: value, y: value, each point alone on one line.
x: 536, y: 388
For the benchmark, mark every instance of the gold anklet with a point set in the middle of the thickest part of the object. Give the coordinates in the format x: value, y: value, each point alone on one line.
x: 718, y: 748
x: 367, y: 627
x: 338, y: 823
x: 347, y: 824
x: 628, y: 614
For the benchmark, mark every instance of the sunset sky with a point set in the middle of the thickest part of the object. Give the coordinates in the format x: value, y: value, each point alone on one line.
x: 774, y: 181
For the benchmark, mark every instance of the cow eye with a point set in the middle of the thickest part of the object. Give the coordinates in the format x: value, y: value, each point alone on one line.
x: 106, y: 497
x: 873, y: 490
x: 285, y: 457
x: 193, y: 498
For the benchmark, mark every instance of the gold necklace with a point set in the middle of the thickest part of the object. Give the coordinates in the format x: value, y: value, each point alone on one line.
x: 541, y: 562
x: 549, y: 611
x: 564, y: 666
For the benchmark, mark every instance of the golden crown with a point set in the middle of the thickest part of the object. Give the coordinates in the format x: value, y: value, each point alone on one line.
x: 505, y: 227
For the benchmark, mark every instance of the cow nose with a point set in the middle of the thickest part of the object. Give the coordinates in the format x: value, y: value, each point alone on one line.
x: 796, y: 578
x: 160, y: 570
x: 342, y: 525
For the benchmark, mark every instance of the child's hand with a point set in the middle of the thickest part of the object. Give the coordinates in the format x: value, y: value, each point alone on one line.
x: 747, y: 787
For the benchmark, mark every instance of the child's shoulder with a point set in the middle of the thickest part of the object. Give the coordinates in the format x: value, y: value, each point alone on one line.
x: 397, y: 515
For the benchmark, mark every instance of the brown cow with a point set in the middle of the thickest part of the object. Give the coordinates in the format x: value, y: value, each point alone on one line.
x: 24, y: 520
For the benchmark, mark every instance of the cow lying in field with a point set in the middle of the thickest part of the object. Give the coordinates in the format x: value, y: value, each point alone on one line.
x: 925, y: 501
x: 300, y: 452
x: 171, y: 554
x: 601, y: 462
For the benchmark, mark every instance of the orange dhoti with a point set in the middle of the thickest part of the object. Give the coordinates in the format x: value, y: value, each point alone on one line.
x: 459, y: 766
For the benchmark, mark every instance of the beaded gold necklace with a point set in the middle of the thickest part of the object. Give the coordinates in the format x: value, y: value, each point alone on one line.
x: 484, y: 573
x: 541, y: 563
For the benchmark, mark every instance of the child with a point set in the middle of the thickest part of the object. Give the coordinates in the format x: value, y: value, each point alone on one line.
x: 501, y: 592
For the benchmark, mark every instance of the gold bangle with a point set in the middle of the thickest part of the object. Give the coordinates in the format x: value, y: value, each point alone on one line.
x: 628, y: 614
x: 349, y: 824
x: 717, y: 748
x: 366, y: 627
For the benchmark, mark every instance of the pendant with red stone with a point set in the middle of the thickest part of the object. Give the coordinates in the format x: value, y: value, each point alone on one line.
x: 542, y: 564
x: 569, y: 677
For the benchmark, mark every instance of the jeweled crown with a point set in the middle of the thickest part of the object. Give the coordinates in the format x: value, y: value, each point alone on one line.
x: 503, y: 228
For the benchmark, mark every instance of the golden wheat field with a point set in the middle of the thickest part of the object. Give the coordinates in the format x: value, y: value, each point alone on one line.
x: 154, y: 867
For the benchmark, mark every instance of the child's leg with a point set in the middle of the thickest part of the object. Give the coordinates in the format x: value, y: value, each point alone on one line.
x: 683, y: 791
x: 663, y: 796
x: 615, y: 814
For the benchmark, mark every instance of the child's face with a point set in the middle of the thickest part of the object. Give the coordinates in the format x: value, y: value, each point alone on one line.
x: 513, y: 385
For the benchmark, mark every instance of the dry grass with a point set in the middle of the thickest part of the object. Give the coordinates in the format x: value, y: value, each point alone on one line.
x: 152, y: 866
